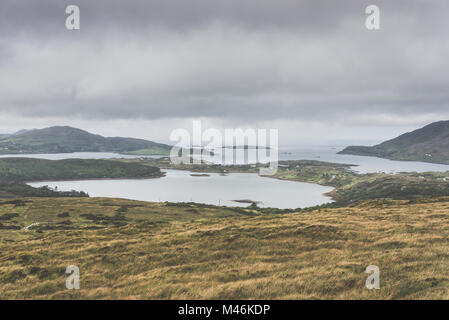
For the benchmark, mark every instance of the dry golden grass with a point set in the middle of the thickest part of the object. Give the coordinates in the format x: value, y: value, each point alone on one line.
x: 313, y: 255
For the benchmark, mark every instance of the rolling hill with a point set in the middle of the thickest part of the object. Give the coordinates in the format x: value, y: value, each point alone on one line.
x: 64, y: 139
x: 428, y: 144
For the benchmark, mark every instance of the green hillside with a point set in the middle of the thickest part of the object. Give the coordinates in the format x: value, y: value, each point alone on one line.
x: 29, y: 169
x: 64, y: 139
x: 428, y: 144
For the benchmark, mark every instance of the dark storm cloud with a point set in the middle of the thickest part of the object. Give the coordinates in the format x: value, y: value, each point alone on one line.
x: 253, y: 59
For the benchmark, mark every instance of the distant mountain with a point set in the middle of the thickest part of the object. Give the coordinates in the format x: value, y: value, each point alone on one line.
x: 21, y: 131
x: 429, y: 144
x: 63, y: 139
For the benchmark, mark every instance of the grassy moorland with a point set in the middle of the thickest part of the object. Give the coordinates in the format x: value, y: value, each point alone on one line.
x: 139, y: 250
x: 136, y: 250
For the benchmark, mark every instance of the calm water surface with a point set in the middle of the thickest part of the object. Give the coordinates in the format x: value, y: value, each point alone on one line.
x: 362, y: 164
x: 180, y: 186
x: 326, y: 154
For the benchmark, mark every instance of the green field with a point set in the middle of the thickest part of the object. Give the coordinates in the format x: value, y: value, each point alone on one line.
x: 31, y: 169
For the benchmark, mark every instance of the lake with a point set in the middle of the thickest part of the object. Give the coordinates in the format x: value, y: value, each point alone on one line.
x: 319, y: 153
x: 180, y: 186
x: 362, y: 164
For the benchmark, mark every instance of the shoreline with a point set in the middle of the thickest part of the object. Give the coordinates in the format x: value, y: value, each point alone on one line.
x: 249, y: 202
x: 163, y: 174
x: 330, y: 194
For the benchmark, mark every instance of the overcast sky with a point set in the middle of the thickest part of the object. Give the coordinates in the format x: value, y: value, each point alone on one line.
x: 143, y: 68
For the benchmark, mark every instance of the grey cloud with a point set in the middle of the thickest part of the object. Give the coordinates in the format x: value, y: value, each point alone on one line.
x: 45, y: 15
x: 314, y: 16
x: 256, y: 59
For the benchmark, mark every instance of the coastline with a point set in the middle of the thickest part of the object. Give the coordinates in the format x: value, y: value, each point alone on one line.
x: 203, y: 174
x: 163, y: 174
x: 330, y: 194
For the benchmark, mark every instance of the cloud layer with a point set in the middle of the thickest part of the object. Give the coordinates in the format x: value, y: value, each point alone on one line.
x: 245, y: 61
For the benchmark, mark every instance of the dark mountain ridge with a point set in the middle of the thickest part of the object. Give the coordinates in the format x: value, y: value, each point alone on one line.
x: 64, y: 139
x: 429, y: 144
